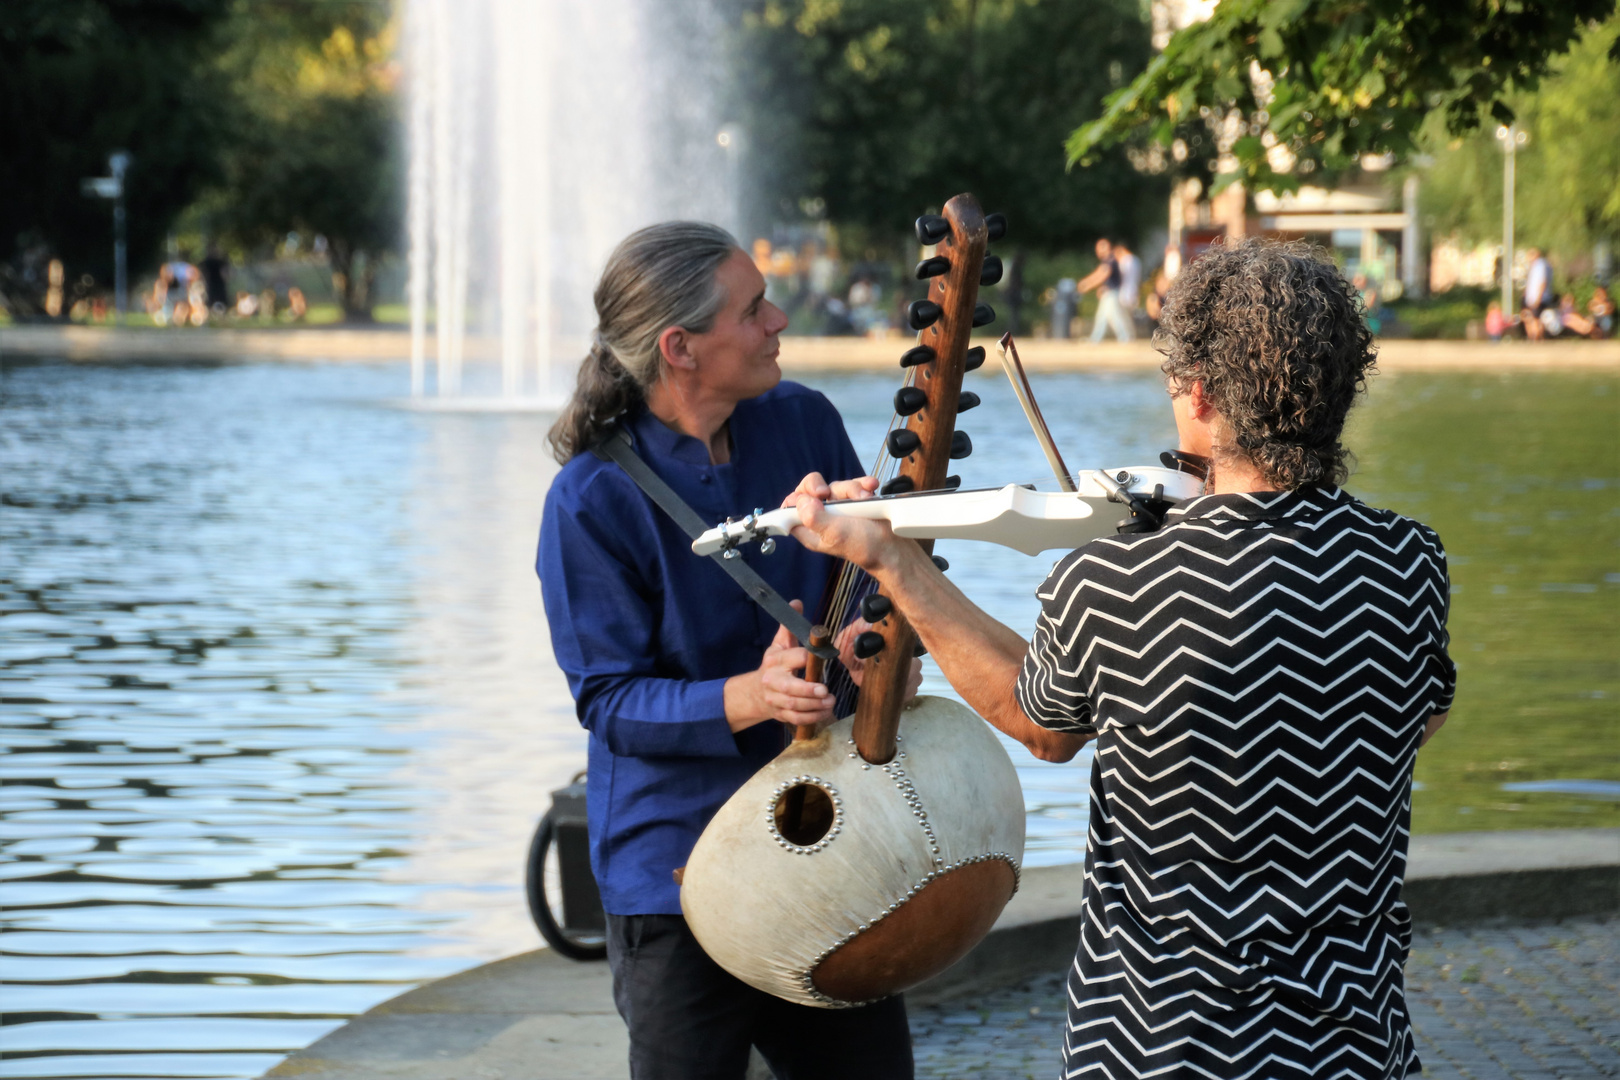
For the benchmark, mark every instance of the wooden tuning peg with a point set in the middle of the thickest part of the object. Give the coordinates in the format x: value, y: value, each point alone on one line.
x: 903, y: 441
x: 910, y: 399
x: 931, y: 229
x: 876, y: 607
x: 923, y: 314
x: 898, y: 486
x: 868, y: 644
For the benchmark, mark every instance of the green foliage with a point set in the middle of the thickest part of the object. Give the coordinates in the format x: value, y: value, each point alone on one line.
x: 315, y: 149
x: 1445, y: 315
x: 1338, y: 79
x: 1567, y: 189
x: 883, y: 108
x: 80, y: 79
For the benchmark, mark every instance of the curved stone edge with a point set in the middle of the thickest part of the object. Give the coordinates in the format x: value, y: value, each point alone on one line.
x: 538, y: 1015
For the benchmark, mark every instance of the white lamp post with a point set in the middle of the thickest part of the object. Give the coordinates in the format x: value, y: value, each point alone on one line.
x: 1511, y: 139
x: 112, y: 187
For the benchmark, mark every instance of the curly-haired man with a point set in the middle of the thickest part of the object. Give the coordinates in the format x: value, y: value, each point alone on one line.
x: 1258, y: 674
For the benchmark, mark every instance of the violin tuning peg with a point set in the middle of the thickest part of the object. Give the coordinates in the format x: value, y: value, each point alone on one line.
x: 961, y: 445
x: 952, y: 483
x: 923, y: 313
x: 921, y: 354
x: 941, y: 562
x: 876, y: 607
x: 903, y: 441
x: 931, y: 229
x: 967, y: 400
x: 909, y: 399
x: 991, y: 273
x: 919, y: 649
x: 995, y: 226
x: 983, y: 314
x: 975, y: 359
x: 898, y: 486
x: 868, y: 644
x: 934, y: 267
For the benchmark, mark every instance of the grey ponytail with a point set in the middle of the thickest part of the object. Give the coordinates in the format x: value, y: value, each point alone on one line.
x: 658, y: 277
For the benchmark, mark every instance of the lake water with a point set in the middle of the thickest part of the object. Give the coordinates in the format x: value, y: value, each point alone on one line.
x: 279, y: 711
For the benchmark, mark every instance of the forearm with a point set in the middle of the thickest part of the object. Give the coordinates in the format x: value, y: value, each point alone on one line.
x: 980, y: 656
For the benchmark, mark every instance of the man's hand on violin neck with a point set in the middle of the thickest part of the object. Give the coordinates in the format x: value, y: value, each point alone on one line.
x: 817, y: 487
x: 870, y: 545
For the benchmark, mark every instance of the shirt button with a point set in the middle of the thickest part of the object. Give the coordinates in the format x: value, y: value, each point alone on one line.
x: 707, y: 478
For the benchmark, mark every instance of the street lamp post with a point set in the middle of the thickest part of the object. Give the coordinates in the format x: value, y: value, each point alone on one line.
x: 112, y: 187
x: 1511, y: 139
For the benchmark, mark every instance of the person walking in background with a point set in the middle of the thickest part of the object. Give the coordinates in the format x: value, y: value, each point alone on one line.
x: 1538, y: 294
x: 215, y: 266
x: 1106, y: 280
x: 1130, y: 282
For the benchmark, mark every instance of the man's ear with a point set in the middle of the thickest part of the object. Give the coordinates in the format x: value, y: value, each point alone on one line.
x: 1199, y: 406
x: 675, y: 345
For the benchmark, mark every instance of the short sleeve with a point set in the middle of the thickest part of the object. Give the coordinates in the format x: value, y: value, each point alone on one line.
x: 1442, y: 669
x: 1051, y: 685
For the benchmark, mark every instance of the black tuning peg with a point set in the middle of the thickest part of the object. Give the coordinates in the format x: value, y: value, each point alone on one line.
x: 919, y: 649
x: 868, y: 644
x: 898, y: 486
x: 975, y: 359
x: 931, y: 228
x: 876, y: 607
x: 983, y: 314
x: 921, y: 354
x: 967, y: 400
x: 952, y: 483
x: 991, y: 273
x: 941, y: 562
x: 903, y: 441
x: 995, y: 226
x: 961, y: 445
x: 923, y: 314
x: 934, y: 267
x: 909, y: 399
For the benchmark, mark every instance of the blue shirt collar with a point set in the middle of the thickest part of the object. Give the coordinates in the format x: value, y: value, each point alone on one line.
x: 654, y: 439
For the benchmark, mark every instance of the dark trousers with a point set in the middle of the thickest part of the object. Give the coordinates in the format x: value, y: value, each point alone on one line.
x: 690, y: 1020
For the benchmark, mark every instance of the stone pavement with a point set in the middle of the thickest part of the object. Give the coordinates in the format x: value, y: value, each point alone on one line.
x: 1511, y: 997
x: 1530, y: 1001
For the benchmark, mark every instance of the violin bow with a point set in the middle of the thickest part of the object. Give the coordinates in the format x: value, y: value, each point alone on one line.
x: 1026, y: 399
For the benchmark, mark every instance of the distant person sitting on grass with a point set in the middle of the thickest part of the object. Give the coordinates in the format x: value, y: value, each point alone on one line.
x: 1600, y: 309
x: 247, y: 305
x: 296, y: 307
x: 1497, y: 324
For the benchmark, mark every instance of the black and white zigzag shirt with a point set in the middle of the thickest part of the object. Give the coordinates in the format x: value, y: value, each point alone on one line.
x: 1259, y: 673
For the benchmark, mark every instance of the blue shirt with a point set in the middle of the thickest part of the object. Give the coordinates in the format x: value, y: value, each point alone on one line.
x: 648, y: 632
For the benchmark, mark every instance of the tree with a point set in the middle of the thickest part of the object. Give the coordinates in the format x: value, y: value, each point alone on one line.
x: 315, y: 149
x: 1567, y: 194
x: 883, y: 108
x: 1291, y: 86
x: 80, y: 79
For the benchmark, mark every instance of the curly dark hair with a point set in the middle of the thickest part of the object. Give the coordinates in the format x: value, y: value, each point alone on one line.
x: 1280, y: 342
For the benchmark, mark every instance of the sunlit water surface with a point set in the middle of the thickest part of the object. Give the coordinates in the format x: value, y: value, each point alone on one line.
x: 279, y: 704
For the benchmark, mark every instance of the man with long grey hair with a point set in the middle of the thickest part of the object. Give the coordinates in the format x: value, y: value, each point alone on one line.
x: 686, y: 687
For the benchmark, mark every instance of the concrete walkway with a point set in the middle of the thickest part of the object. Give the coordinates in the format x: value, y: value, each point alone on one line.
x: 540, y: 1017
x: 799, y: 354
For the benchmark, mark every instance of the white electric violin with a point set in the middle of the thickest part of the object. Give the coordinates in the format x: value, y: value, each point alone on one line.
x: 1016, y: 516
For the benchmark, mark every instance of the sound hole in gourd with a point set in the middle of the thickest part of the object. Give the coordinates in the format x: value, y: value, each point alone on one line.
x: 804, y: 814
